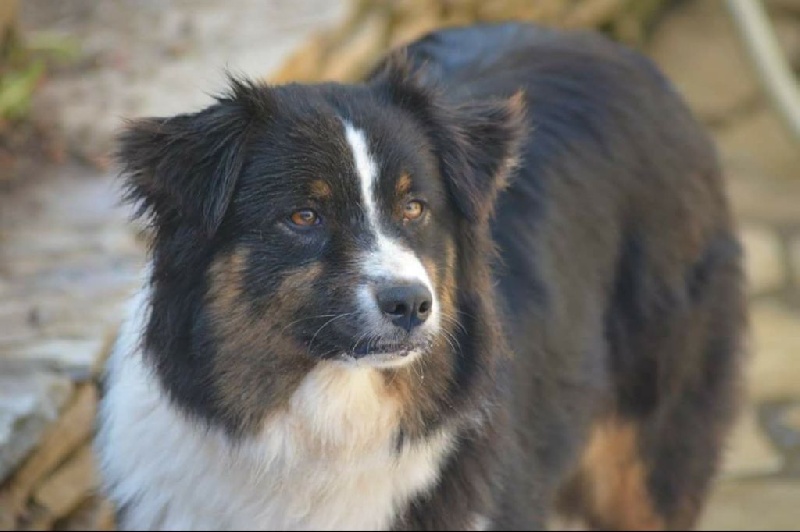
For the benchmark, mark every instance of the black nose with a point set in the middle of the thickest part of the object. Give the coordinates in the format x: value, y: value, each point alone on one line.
x: 408, y: 306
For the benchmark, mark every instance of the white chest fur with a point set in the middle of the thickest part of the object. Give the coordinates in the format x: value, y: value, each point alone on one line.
x: 327, y: 461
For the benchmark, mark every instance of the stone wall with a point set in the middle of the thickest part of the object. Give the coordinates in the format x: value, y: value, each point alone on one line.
x: 348, y: 51
x: 697, y: 48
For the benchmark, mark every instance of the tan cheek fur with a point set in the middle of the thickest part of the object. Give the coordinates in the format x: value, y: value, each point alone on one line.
x: 256, y: 367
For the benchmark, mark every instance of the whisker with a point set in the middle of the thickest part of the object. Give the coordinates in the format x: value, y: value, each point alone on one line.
x: 311, y: 343
x: 419, y: 371
x: 358, y: 340
x: 447, y: 339
x: 454, y: 321
x: 454, y: 345
x: 306, y: 319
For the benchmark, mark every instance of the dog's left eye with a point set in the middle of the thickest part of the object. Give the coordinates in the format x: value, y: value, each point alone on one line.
x: 413, y: 210
x: 305, y: 218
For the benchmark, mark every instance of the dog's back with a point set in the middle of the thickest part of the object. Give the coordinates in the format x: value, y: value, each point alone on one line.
x: 619, y: 272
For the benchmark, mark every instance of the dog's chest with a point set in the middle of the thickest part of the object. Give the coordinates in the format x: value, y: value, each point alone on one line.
x: 331, y: 460
x: 327, y: 461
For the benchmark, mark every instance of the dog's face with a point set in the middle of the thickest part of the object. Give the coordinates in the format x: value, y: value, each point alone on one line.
x: 343, y: 228
x: 301, y: 224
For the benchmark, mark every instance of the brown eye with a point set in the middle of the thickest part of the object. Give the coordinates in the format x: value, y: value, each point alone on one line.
x: 305, y: 218
x: 413, y: 210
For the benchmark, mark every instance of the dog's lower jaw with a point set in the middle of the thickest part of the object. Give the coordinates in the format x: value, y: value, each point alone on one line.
x: 327, y: 460
x: 382, y: 361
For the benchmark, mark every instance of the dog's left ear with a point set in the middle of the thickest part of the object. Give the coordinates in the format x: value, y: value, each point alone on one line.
x: 478, y: 143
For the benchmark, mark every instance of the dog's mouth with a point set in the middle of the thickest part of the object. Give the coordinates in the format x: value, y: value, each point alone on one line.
x: 399, y: 349
x: 383, y: 355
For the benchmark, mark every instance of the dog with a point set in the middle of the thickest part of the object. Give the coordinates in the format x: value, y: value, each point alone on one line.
x: 496, y: 282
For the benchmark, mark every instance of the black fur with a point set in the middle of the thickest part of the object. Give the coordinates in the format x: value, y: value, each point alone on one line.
x: 597, y: 273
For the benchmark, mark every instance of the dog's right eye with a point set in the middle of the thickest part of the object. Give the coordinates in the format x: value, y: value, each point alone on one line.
x: 413, y: 210
x: 305, y: 218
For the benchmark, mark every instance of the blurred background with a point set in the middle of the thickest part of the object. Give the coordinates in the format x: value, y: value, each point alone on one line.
x: 72, y: 70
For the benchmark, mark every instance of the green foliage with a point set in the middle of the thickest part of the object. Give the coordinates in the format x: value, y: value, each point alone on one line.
x: 16, y: 90
x: 23, y: 66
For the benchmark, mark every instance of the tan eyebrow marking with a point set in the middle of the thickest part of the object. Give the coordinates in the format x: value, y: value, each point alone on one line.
x: 320, y: 189
x: 403, y: 185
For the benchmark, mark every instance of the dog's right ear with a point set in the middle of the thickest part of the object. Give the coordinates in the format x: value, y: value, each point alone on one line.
x: 184, y: 169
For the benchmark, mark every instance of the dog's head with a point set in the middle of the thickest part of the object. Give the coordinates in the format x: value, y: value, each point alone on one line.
x: 295, y: 224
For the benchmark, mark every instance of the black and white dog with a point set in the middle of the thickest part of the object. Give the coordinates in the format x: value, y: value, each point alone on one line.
x: 495, y: 282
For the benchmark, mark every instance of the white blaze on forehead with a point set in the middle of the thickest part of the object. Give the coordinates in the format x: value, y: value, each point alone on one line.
x: 366, y: 169
x: 389, y: 259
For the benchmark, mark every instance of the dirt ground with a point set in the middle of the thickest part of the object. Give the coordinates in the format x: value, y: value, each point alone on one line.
x: 69, y: 256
